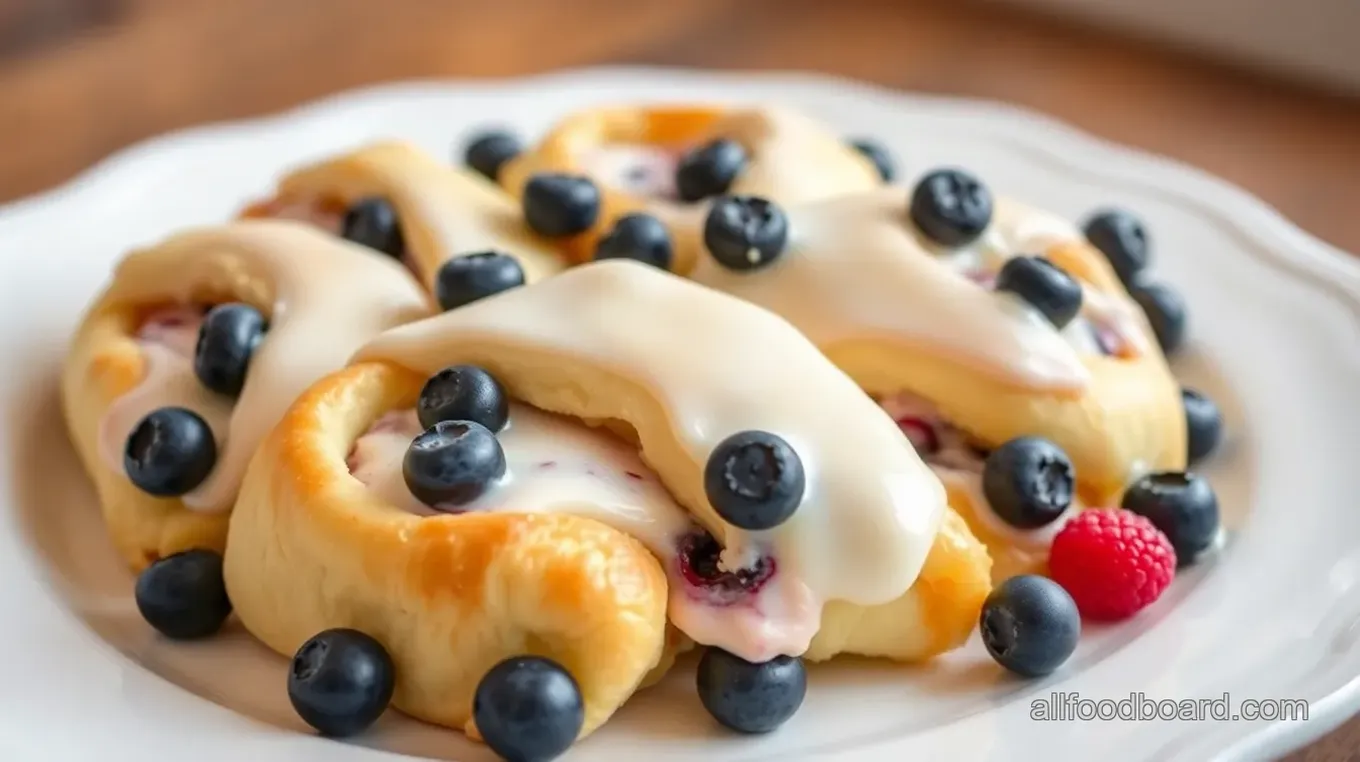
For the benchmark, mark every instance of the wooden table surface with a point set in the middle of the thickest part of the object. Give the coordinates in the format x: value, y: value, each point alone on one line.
x: 82, y: 78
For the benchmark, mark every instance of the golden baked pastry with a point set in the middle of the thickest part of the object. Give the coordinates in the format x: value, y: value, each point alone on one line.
x: 963, y: 364
x: 442, y: 212
x: 632, y: 154
x: 623, y: 382
x: 134, y: 353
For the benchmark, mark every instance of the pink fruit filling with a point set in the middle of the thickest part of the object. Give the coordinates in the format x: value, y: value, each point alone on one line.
x: 1108, y: 338
x: 938, y: 442
x: 636, y: 169
x: 175, y: 328
x: 699, y: 561
x: 557, y: 464
x: 959, y: 462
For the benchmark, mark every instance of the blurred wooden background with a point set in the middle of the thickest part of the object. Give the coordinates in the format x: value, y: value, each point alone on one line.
x: 82, y: 78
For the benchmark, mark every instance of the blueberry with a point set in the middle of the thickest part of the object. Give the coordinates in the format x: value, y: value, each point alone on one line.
x: 169, y: 452
x: 709, y: 169
x: 1165, y: 310
x: 463, y: 393
x: 453, y: 463
x: 373, y: 222
x: 1182, y: 505
x: 1047, y: 288
x: 528, y: 709
x: 1203, y: 425
x: 879, y: 155
x: 487, y: 152
x: 754, y: 480
x: 747, y: 697
x: 745, y: 232
x: 1121, y: 238
x: 226, y: 341
x: 184, y: 596
x: 1030, y: 625
x: 341, y: 682
x: 558, y: 205
x: 639, y: 237
x: 950, y: 207
x: 465, y: 279
x: 1028, y: 481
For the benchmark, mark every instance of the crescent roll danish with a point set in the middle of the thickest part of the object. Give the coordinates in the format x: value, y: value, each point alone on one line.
x: 402, y: 200
x: 652, y: 159
x: 958, y: 341
x: 599, y: 501
x: 133, y: 388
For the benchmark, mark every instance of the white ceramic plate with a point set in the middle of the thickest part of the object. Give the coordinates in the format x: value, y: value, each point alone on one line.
x: 1275, y: 320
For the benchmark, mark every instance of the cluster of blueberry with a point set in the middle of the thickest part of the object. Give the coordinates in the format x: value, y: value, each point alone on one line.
x: 742, y: 232
x: 526, y: 707
x: 341, y: 680
x: 172, y: 450
x: 1103, y: 564
x: 753, y: 479
x: 457, y: 458
x: 948, y: 206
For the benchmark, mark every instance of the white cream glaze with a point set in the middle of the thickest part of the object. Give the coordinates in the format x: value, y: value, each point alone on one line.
x: 444, y: 212
x: 1020, y: 229
x: 716, y: 366
x: 960, y: 467
x: 556, y: 464
x: 792, y: 158
x: 323, y: 297
x: 856, y: 268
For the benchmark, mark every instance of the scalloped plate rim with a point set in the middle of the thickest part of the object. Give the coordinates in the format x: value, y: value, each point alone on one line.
x: 1323, y: 265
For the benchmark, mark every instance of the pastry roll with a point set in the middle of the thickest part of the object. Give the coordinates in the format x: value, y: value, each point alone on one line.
x: 665, y: 161
x: 971, y: 339
x: 292, y: 304
x: 395, y: 197
x: 624, y: 419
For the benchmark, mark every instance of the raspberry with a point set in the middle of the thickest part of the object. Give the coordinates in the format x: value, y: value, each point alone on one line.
x: 1112, y: 562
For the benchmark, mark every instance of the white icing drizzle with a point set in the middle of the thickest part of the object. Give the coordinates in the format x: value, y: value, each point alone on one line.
x: 856, y: 268
x: 1018, y: 229
x: 793, y: 158
x: 323, y: 297
x: 717, y: 366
